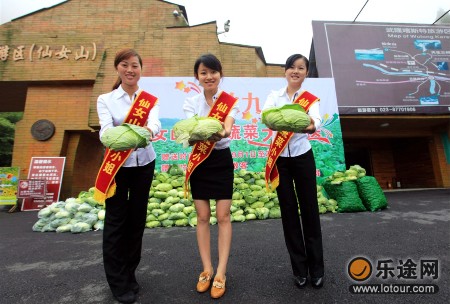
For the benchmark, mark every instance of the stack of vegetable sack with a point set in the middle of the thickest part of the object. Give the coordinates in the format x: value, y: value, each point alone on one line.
x: 354, y: 191
x: 74, y: 215
x: 167, y: 206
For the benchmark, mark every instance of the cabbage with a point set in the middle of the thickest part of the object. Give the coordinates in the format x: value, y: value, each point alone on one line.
x: 195, y: 128
x: 45, y: 212
x: 40, y: 223
x: 89, y: 218
x: 64, y: 228
x: 80, y: 227
x: 99, y: 225
x: 206, y: 127
x: 71, y: 207
x: 59, y: 222
x: 85, y: 207
x: 101, y: 214
x: 126, y: 136
x: 188, y: 210
x: 167, y: 223
x: 176, y: 208
x: 164, y: 187
x: 182, y: 222
x: 290, y: 117
x: 153, y: 224
x: 183, y: 128
x: 275, y: 213
x: 175, y: 170
x: 250, y: 216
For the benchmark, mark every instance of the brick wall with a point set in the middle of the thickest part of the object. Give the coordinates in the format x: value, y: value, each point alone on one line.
x: 65, y: 106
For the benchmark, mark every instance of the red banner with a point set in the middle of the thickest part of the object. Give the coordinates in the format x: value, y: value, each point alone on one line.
x: 201, y: 150
x: 105, y: 185
x: 306, y: 100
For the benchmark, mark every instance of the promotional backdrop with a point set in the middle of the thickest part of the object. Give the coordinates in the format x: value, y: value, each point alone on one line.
x: 250, y: 138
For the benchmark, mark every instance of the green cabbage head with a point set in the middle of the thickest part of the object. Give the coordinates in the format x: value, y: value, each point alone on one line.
x: 125, y: 137
x: 195, y: 128
x: 290, y: 117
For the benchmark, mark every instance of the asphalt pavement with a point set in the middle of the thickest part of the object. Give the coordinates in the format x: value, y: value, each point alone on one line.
x: 407, y: 243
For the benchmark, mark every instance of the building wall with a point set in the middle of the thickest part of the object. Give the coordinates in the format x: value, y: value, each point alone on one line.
x: 63, y: 87
x: 66, y: 106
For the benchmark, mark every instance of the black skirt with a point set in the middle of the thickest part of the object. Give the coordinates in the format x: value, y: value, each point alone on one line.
x: 213, y: 178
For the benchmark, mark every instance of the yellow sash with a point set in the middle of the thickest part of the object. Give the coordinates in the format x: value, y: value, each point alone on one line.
x: 202, y: 150
x: 306, y: 100
x: 105, y: 186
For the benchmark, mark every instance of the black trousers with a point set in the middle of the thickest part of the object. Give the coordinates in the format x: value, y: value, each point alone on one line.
x: 303, y: 238
x: 124, y: 226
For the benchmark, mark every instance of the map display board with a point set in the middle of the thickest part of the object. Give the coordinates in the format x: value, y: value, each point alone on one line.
x: 385, y: 68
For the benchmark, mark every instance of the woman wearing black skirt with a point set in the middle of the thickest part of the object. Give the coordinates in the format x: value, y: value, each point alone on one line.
x: 212, y: 178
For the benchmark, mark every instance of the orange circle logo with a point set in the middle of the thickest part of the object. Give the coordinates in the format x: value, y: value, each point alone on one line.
x: 360, y: 269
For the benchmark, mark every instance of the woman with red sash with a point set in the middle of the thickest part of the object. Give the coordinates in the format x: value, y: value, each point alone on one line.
x: 295, y: 174
x: 213, y: 177
x: 126, y: 208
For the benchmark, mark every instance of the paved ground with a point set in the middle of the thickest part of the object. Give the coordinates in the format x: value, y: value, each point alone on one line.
x: 55, y: 268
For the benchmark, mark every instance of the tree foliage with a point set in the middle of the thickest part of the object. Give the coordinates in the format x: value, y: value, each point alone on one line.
x: 7, y: 129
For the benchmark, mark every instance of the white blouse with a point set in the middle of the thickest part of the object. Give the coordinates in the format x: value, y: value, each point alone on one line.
x: 299, y: 143
x: 112, y: 109
x: 197, y: 105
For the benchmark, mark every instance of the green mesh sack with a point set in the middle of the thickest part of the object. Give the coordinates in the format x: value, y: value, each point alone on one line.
x: 371, y: 193
x: 347, y: 196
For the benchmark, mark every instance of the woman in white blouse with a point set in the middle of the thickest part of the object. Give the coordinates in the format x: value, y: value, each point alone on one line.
x: 126, y: 211
x: 213, y: 178
x: 297, y: 183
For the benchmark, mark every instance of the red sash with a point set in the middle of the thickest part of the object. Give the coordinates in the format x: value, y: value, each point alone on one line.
x: 105, y: 186
x: 306, y: 100
x: 201, y: 150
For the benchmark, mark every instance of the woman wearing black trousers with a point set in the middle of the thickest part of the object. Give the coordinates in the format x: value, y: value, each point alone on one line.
x: 297, y: 179
x: 126, y: 207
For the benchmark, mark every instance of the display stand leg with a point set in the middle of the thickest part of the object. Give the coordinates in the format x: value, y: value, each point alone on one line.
x: 13, y: 209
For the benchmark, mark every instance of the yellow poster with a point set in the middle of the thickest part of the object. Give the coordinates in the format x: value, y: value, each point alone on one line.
x: 9, y: 178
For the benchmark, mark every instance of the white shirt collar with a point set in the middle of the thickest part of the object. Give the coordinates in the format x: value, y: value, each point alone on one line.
x: 119, y: 92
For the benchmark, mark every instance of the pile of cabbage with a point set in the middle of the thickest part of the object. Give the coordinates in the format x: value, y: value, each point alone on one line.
x: 353, y: 173
x: 125, y: 137
x: 195, y: 128
x: 167, y: 206
x: 290, y: 117
x: 73, y: 215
